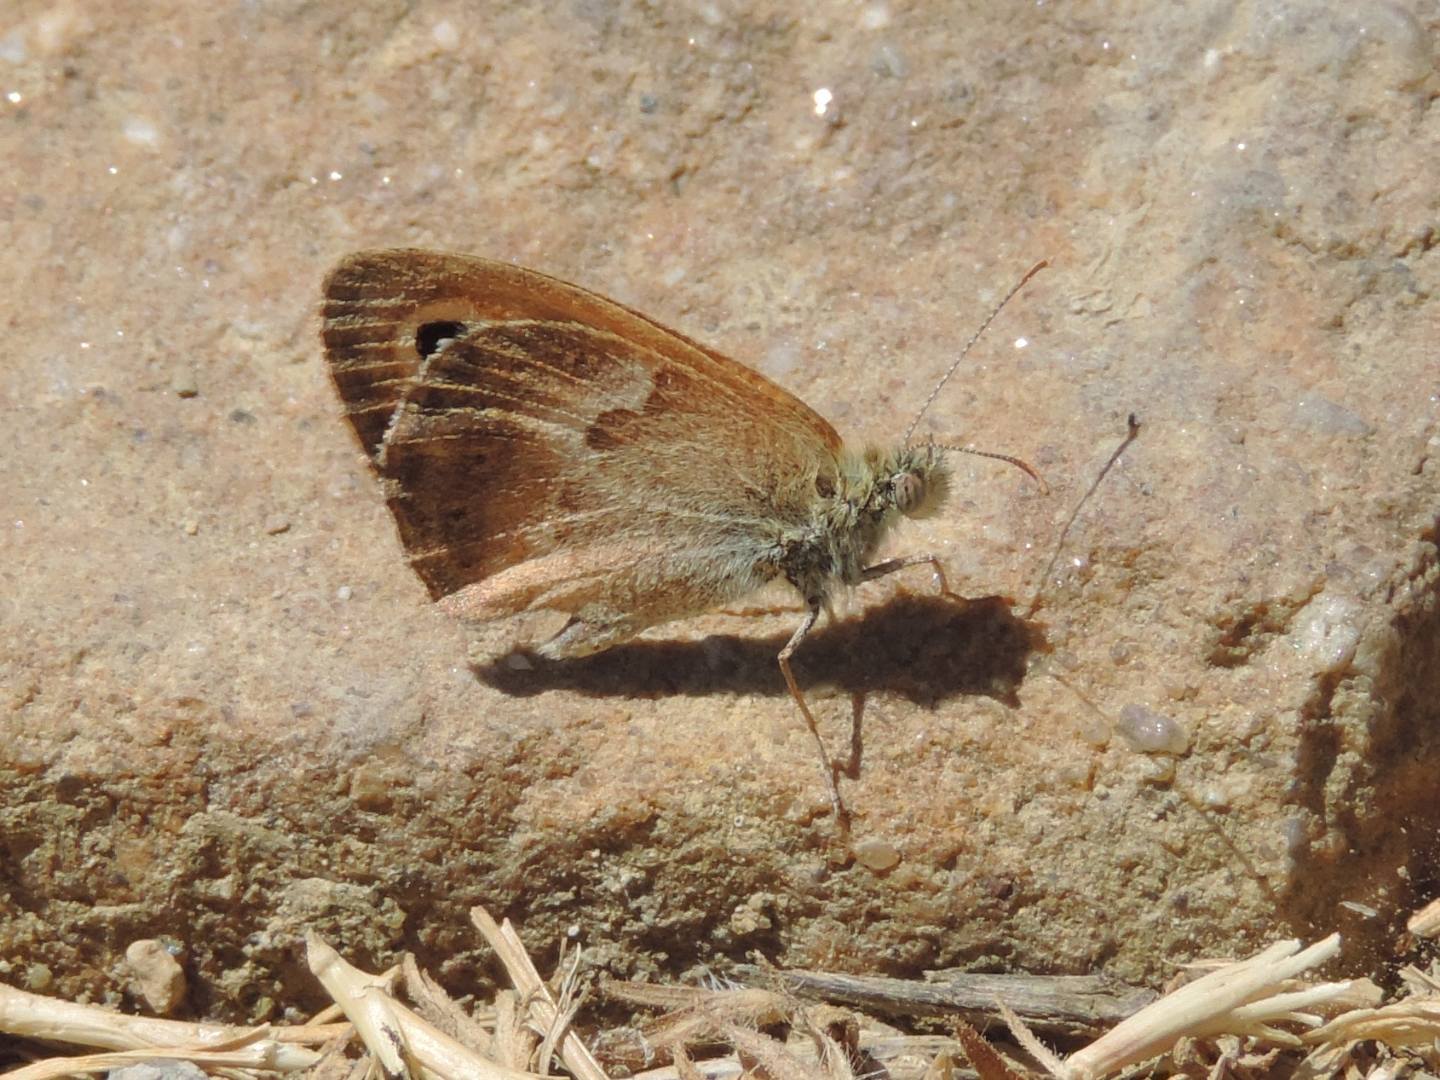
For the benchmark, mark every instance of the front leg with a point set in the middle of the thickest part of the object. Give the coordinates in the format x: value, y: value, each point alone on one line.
x: 890, y: 566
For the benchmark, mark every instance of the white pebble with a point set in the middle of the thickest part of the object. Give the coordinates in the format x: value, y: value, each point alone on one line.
x: 445, y: 35
x: 1149, y: 732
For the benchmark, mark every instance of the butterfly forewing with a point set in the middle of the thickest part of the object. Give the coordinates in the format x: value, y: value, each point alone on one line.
x: 557, y: 446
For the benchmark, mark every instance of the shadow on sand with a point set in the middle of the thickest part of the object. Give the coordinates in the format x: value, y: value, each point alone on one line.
x: 926, y: 649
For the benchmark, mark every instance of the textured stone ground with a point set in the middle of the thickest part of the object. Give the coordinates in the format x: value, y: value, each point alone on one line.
x: 229, y: 712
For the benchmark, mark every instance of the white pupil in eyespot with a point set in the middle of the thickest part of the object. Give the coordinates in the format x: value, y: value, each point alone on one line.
x: 909, y: 491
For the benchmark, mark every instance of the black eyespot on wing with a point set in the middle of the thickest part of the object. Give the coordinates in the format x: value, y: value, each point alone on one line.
x: 429, y: 335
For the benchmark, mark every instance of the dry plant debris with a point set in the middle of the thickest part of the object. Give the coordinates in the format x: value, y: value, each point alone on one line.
x: 1264, y: 1016
x: 1425, y: 923
x: 1074, y: 1005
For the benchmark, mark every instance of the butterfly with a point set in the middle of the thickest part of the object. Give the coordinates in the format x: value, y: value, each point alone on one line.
x: 541, y: 446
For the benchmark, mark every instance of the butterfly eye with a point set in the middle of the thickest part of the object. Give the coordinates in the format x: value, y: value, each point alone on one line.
x: 431, y: 335
x: 909, y: 492
x: 824, y: 486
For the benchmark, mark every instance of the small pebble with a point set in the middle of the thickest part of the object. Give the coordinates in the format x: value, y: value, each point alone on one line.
x: 156, y: 977
x: 370, y: 787
x: 1214, y: 798
x: 446, y: 35
x: 1149, y: 732
x: 38, y: 978
x: 276, y: 524
x: 184, y: 384
x: 876, y: 855
x: 1159, y: 770
x: 1094, y: 731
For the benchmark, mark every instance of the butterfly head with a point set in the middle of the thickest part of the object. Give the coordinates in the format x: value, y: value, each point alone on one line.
x: 916, y: 481
x: 912, y: 480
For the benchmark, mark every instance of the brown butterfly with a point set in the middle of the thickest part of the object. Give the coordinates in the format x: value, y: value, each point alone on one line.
x: 543, y: 447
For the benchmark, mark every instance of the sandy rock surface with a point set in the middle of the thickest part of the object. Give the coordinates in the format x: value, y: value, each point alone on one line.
x: 1207, y: 718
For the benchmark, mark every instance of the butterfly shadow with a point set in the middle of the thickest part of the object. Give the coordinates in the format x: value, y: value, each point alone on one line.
x: 924, y: 648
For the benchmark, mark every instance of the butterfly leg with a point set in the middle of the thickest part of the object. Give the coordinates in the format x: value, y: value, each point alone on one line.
x: 889, y: 566
x: 580, y: 637
x: 832, y: 789
x: 756, y: 612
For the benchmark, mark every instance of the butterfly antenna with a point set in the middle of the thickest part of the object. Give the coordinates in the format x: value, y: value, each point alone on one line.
x: 1023, y: 466
x: 910, y: 431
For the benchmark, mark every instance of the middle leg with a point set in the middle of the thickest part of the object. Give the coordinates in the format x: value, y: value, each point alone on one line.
x: 837, y: 804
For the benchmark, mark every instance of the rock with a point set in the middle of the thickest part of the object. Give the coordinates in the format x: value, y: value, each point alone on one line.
x: 1240, y: 212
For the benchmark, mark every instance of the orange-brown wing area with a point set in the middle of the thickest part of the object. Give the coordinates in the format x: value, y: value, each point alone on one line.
x: 572, y: 450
